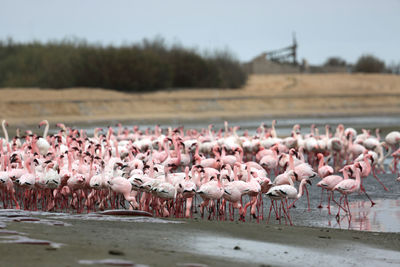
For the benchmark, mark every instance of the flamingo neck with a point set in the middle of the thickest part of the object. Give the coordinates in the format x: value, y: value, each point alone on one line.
x: 3, y: 125
x: 187, y: 173
x: 291, y: 162
x: 321, y: 162
x: 116, y: 149
x: 219, y: 182
x: 240, y: 158
x: 301, y: 188
x: 367, y: 163
x: 275, y: 153
x: 46, y: 129
x: 358, y: 178
x: 178, y: 153
x: 226, y: 129
x: 151, y: 169
x: 273, y: 132
x: 235, y: 176
x: 378, y: 136
x: 389, y: 152
x: 249, y: 177
x: 262, y: 131
x: 223, y: 154
x: 327, y: 132
x: 345, y: 175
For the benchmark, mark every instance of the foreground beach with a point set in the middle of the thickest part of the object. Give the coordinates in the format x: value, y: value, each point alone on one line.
x: 164, y: 242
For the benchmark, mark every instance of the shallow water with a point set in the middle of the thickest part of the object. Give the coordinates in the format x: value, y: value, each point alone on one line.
x: 113, y: 262
x: 283, y: 126
x: 384, y: 216
x: 243, y: 250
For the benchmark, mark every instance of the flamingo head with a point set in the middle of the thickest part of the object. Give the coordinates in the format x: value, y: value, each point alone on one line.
x: 371, y: 157
x: 43, y: 122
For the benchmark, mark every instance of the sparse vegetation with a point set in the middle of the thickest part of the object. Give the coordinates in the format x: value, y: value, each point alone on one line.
x: 394, y: 68
x: 335, y: 62
x: 145, y: 66
x: 369, y: 64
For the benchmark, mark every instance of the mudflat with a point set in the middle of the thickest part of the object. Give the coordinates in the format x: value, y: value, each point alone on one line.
x: 178, y: 242
x: 264, y: 96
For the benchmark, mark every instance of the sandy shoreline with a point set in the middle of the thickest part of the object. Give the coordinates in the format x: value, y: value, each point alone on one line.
x: 264, y: 96
x: 230, y: 244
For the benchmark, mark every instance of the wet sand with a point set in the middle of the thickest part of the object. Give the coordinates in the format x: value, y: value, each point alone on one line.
x: 213, y: 243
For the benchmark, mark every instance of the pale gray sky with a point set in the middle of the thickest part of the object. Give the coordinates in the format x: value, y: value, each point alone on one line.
x: 342, y: 28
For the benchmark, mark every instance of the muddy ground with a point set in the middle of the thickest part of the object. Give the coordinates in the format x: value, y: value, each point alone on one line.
x: 213, y: 243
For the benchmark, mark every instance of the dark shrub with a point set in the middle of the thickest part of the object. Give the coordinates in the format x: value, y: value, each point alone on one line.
x: 369, y: 64
x: 146, y: 66
x: 335, y: 62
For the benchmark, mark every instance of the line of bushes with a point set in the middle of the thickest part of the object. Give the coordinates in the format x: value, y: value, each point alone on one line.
x: 366, y: 63
x: 145, y: 66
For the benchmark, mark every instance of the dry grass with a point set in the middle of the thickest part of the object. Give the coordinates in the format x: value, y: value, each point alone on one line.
x: 263, y: 96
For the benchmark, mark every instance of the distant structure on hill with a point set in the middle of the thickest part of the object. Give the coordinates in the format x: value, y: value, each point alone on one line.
x: 284, y: 60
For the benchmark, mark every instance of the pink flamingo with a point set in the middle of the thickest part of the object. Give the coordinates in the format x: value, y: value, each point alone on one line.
x: 329, y: 182
x: 323, y: 171
x: 349, y: 186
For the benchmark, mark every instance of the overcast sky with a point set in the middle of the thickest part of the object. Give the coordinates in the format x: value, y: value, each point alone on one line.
x: 342, y: 28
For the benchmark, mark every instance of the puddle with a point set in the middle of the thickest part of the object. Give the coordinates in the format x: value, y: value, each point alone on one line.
x: 382, y: 217
x: 258, y: 252
x: 113, y: 262
x: 52, y: 218
x: 112, y: 218
x: 10, y: 232
x: 16, y: 239
x: 24, y: 219
x: 127, y: 213
x: 7, y: 216
x: 192, y: 265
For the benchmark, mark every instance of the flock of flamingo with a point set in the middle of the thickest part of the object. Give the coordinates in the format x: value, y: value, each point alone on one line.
x: 162, y: 171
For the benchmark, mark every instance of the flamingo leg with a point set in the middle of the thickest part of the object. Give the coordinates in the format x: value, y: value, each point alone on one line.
x: 308, y: 199
x: 320, y: 203
x: 376, y: 177
x: 286, y: 213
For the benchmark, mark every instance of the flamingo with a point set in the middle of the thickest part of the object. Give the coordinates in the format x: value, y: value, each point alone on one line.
x: 285, y: 192
x: 349, y: 186
x: 329, y: 182
x: 42, y: 144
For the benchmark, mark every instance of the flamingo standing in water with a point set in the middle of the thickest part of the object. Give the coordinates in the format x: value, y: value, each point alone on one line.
x: 349, y: 186
x: 323, y: 171
x: 285, y: 192
x: 211, y: 190
x: 329, y: 182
